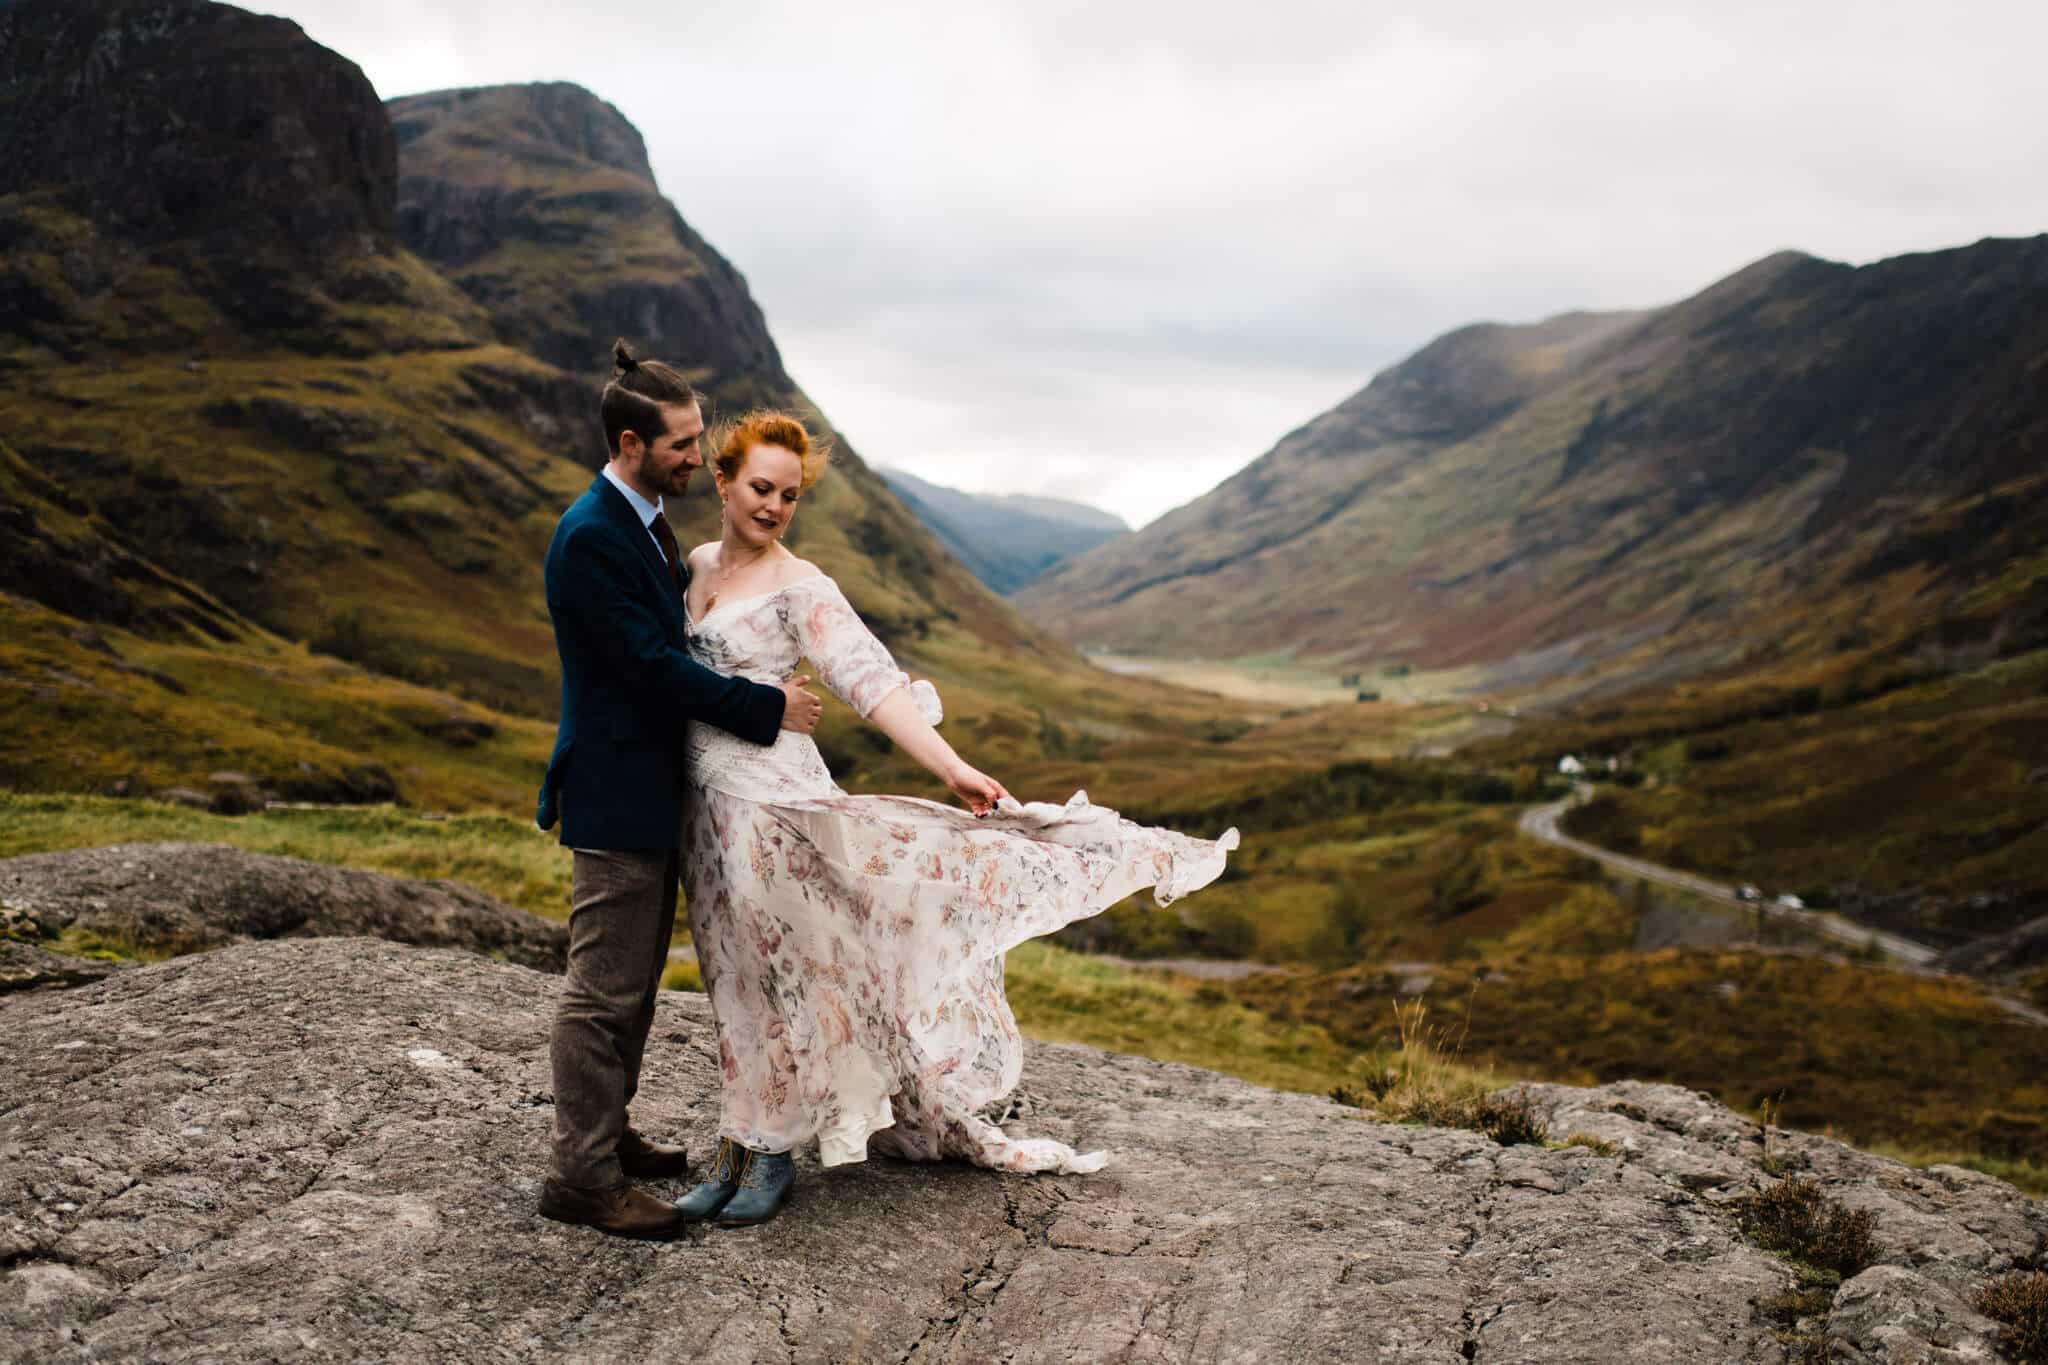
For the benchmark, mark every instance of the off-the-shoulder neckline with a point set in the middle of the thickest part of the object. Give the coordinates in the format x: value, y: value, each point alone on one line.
x: 751, y: 597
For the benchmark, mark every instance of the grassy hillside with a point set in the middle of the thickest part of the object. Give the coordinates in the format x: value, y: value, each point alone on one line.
x: 246, y: 449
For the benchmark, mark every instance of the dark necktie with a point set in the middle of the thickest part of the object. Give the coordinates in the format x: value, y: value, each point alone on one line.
x: 668, y: 547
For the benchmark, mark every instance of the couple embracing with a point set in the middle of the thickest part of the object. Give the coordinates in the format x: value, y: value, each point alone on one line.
x: 852, y: 946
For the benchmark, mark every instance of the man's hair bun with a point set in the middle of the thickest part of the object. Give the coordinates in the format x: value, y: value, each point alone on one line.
x: 623, y: 357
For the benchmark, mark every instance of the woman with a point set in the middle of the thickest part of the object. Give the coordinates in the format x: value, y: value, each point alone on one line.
x: 852, y: 946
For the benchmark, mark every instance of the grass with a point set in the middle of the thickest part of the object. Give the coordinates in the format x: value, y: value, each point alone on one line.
x: 497, y: 854
x: 1851, y: 783
x: 1063, y: 996
x: 1819, y: 1037
x: 1057, y: 994
x: 2028, y: 1175
x: 1424, y: 1081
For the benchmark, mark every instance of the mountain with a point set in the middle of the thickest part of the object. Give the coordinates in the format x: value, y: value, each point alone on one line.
x: 539, y: 203
x: 1805, y: 448
x: 1006, y: 539
x: 292, y: 388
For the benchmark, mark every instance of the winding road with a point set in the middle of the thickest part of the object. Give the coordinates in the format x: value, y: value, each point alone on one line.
x: 1542, y: 822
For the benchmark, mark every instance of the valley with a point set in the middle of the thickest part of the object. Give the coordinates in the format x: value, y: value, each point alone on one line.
x: 280, y: 454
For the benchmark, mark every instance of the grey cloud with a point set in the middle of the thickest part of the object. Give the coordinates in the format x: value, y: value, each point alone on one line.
x: 1037, y: 217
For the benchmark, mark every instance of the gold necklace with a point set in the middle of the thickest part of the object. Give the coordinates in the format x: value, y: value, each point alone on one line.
x: 724, y: 577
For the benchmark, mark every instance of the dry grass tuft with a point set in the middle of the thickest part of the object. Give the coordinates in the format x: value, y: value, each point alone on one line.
x: 1600, y: 1146
x: 1424, y: 1082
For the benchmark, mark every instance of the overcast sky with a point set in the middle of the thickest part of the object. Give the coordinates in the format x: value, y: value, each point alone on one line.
x: 1113, y: 251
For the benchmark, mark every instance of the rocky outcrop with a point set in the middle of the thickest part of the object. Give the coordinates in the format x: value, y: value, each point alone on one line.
x: 29, y: 966
x: 540, y: 202
x: 181, y: 898
x: 330, y: 1149
x: 275, y: 136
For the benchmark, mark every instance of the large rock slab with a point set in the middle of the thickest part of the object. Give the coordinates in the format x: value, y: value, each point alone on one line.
x: 181, y: 898
x: 330, y: 1149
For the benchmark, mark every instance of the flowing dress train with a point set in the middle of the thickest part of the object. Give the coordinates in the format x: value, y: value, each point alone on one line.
x: 852, y: 946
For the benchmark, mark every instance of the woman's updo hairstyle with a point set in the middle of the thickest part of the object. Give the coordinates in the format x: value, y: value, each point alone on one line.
x: 767, y: 428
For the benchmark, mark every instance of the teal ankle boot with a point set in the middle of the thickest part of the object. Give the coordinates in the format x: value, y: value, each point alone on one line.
x: 711, y: 1196
x: 765, y: 1181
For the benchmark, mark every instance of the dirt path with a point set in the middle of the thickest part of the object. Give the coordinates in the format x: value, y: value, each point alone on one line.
x: 1542, y: 822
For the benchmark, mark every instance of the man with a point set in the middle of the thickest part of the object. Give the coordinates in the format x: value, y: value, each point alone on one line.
x: 615, y: 582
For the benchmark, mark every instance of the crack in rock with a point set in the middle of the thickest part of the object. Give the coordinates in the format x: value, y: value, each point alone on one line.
x: 245, y: 1166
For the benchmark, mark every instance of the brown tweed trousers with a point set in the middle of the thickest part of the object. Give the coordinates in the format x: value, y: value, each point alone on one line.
x: 622, y: 910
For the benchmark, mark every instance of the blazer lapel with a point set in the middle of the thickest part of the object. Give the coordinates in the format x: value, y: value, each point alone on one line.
x: 629, y: 524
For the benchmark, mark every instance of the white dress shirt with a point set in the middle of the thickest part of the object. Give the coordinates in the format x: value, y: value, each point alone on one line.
x: 648, y: 510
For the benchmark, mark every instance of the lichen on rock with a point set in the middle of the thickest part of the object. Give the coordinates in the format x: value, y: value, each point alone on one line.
x: 331, y: 1148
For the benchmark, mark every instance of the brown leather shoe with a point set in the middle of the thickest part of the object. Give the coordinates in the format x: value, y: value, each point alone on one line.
x: 624, y: 1210
x: 643, y: 1159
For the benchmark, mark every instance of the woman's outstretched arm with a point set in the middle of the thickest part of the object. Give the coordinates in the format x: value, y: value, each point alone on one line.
x: 900, y: 718
x: 859, y: 671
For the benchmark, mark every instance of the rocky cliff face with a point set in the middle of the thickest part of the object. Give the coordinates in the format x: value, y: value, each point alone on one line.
x: 179, y: 172
x: 539, y: 201
x: 270, y: 136
x: 330, y: 1148
x: 1798, y: 436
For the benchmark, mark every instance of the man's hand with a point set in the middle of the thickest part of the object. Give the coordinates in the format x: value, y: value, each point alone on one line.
x: 800, y: 709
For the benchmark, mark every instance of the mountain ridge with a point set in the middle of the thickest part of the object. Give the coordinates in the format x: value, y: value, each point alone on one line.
x: 1512, y: 489
x: 1006, y: 539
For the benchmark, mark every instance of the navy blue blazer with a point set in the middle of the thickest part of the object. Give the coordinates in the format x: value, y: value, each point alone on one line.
x: 628, y: 684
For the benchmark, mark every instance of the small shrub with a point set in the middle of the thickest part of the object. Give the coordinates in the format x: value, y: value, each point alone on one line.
x: 1509, y: 1119
x: 2019, y: 1304
x: 1796, y: 1218
x: 1600, y: 1146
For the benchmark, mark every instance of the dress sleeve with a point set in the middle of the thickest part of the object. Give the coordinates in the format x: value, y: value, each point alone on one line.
x: 851, y: 662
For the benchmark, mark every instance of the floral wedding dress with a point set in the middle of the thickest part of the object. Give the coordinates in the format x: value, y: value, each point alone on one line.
x: 853, y: 946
